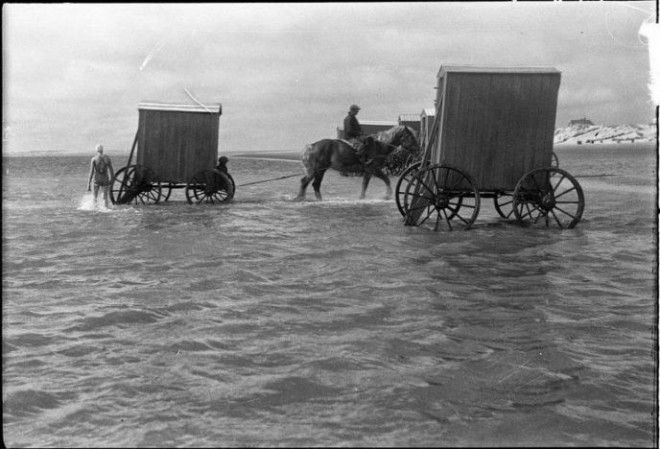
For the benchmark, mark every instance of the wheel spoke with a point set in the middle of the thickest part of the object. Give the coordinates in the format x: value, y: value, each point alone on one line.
x: 429, y: 211
x: 566, y: 213
x: 462, y: 219
x: 424, y: 184
x: 563, y: 176
x: 557, y: 219
x: 448, y: 219
x: 565, y: 192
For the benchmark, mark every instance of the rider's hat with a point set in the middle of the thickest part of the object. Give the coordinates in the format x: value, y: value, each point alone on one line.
x: 354, y: 107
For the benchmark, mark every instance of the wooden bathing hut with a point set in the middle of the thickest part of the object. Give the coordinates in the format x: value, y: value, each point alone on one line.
x: 175, y: 147
x: 177, y: 141
x: 426, y: 120
x: 495, y: 123
x: 492, y: 138
x: 411, y: 121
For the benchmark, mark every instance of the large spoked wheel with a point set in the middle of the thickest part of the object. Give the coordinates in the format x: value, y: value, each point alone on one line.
x: 135, y: 184
x: 503, y: 204
x: 210, y: 186
x: 444, y: 196
x: 401, y: 185
x: 548, y: 196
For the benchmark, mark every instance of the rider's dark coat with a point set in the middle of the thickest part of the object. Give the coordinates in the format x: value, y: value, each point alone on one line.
x: 352, y: 127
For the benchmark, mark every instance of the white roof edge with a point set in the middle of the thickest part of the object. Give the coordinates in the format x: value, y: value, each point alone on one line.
x: 484, y: 69
x: 428, y: 111
x: 379, y: 122
x: 210, y: 108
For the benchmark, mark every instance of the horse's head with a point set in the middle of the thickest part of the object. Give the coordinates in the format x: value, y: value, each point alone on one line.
x: 406, y: 138
x: 407, y: 150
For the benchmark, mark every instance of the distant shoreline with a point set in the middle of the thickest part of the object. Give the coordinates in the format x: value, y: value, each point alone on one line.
x: 295, y: 155
x: 287, y: 155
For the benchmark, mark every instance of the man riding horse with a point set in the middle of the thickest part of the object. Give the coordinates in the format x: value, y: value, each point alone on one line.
x: 353, y: 133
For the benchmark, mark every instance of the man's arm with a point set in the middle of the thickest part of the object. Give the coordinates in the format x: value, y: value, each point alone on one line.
x: 91, y: 173
x: 112, y: 170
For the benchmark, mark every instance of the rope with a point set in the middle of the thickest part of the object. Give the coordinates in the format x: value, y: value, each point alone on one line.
x: 268, y: 180
x: 195, y: 100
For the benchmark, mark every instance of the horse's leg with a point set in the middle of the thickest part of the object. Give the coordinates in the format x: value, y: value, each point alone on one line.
x: 381, y: 175
x: 318, y: 178
x: 304, y: 182
x: 365, y: 183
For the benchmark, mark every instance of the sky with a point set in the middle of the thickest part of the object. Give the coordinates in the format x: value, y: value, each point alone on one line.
x: 285, y: 74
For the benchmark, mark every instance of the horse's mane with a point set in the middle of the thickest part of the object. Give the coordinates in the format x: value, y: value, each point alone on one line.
x: 389, y: 135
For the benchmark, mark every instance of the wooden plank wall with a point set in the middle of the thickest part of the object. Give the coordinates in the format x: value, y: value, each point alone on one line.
x: 176, y: 145
x: 426, y: 126
x: 496, y: 127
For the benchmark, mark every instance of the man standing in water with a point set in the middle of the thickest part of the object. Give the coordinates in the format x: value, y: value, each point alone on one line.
x: 101, y: 170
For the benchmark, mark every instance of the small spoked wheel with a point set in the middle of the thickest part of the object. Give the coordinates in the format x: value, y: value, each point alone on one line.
x: 210, y: 186
x: 504, y: 204
x: 135, y: 184
x: 443, y: 196
x: 401, y: 185
x: 548, y: 197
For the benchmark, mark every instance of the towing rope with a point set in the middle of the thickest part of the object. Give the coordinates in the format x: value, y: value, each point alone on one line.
x: 268, y: 180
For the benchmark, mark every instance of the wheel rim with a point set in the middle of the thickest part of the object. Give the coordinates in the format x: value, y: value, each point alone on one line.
x: 169, y: 191
x: 210, y: 186
x: 135, y: 184
x: 122, y: 190
x: 504, y: 204
x: 548, y: 197
x: 400, y: 189
x: 444, y: 196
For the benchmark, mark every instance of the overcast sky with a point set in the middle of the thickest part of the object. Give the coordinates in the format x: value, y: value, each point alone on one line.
x: 285, y: 74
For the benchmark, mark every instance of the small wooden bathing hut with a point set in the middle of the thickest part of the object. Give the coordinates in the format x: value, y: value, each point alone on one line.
x: 426, y: 120
x: 177, y: 141
x: 410, y: 120
x: 175, y: 146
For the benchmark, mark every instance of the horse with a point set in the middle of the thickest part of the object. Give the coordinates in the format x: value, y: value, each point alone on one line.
x: 340, y: 155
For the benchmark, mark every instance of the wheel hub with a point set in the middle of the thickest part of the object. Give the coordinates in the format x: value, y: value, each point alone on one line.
x: 548, y: 201
x: 442, y: 202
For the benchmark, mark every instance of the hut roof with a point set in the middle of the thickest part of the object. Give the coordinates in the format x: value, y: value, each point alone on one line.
x: 210, y: 108
x: 429, y: 112
x: 408, y: 118
x: 379, y: 122
x: 480, y: 69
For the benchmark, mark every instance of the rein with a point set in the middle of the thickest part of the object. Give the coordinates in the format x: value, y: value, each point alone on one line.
x: 268, y: 180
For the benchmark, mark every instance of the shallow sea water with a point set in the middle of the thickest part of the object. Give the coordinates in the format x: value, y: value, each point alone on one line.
x: 268, y: 322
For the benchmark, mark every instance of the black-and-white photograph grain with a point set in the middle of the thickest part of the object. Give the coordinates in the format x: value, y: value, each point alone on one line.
x: 330, y: 224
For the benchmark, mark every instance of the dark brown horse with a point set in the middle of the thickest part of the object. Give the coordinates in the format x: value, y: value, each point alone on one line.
x: 341, y: 156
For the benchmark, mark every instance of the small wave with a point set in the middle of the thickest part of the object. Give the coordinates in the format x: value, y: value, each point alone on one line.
x: 115, y: 319
x: 27, y: 402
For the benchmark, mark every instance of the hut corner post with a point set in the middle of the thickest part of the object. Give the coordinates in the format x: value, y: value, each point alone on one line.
x: 130, y: 156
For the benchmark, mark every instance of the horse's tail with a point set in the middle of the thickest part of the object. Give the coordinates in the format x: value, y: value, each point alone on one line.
x: 305, y: 156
